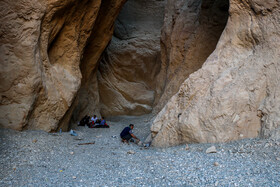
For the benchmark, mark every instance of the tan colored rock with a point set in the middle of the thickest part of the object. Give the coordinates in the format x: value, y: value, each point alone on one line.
x: 190, y: 33
x: 50, y: 72
x: 221, y: 100
x: 128, y: 69
x: 20, y: 71
x: 42, y: 44
x: 211, y: 149
x: 88, y: 98
x: 64, y: 32
x: 131, y: 152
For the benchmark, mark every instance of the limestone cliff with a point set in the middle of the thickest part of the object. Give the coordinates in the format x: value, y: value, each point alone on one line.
x: 236, y: 92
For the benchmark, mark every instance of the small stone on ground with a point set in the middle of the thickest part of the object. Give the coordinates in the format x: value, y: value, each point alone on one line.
x: 107, y: 162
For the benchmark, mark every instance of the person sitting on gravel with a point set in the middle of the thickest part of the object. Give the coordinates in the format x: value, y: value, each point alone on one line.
x: 101, y: 124
x: 94, y: 118
x: 94, y: 122
x: 127, y: 134
x: 84, y: 121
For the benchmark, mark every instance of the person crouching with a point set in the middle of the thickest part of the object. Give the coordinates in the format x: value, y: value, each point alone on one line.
x: 127, y: 134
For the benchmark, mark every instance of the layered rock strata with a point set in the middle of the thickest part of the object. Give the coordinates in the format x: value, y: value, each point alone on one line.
x: 236, y: 92
x: 42, y: 44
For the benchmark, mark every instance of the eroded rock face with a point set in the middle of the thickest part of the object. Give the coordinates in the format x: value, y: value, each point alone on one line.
x: 42, y: 43
x: 50, y: 70
x: 20, y: 70
x: 87, y: 99
x: 236, y: 93
x: 190, y: 33
x: 128, y: 69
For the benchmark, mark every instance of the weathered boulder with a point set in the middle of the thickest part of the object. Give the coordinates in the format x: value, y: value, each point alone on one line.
x: 236, y: 93
x: 42, y: 44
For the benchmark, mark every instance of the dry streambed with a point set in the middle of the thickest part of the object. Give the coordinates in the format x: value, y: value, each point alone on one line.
x: 96, y: 157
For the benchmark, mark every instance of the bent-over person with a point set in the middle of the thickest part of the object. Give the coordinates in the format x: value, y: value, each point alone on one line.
x: 127, y: 134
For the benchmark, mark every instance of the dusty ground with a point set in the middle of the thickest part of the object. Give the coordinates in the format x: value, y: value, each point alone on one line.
x: 36, y: 158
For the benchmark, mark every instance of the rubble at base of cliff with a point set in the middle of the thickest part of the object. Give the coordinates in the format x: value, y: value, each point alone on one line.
x: 97, y: 157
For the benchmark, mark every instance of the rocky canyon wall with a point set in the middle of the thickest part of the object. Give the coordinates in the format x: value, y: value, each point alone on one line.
x: 42, y: 44
x: 236, y: 93
x: 128, y: 69
x: 87, y: 99
x: 211, y: 73
x: 190, y: 33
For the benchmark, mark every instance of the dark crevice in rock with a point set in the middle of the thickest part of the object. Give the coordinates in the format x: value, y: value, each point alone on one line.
x: 187, y: 42
x: 131, y: 62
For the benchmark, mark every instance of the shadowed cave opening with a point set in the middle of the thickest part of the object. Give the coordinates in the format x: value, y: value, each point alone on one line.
x: 133, y: 60
x: 156, y: 45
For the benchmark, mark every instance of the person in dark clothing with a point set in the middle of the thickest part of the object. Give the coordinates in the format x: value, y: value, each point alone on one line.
x: 102, y: 124
x: 127, y: 134
x: 84, y: 121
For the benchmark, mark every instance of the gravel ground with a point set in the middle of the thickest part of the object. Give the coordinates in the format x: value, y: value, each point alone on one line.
x: 36, y: 158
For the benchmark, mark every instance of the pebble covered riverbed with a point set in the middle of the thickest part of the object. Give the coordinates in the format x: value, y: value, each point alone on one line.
x: 37, y: 158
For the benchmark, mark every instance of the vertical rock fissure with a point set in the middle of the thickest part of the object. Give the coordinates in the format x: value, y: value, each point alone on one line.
x: 190, y: 33
x: 87, y: 97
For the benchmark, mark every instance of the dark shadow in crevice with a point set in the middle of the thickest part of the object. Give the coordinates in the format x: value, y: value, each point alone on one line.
x: 187, y: 42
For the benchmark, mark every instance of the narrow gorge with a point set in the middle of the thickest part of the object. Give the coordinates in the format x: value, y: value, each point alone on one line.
x: 206, y: 70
